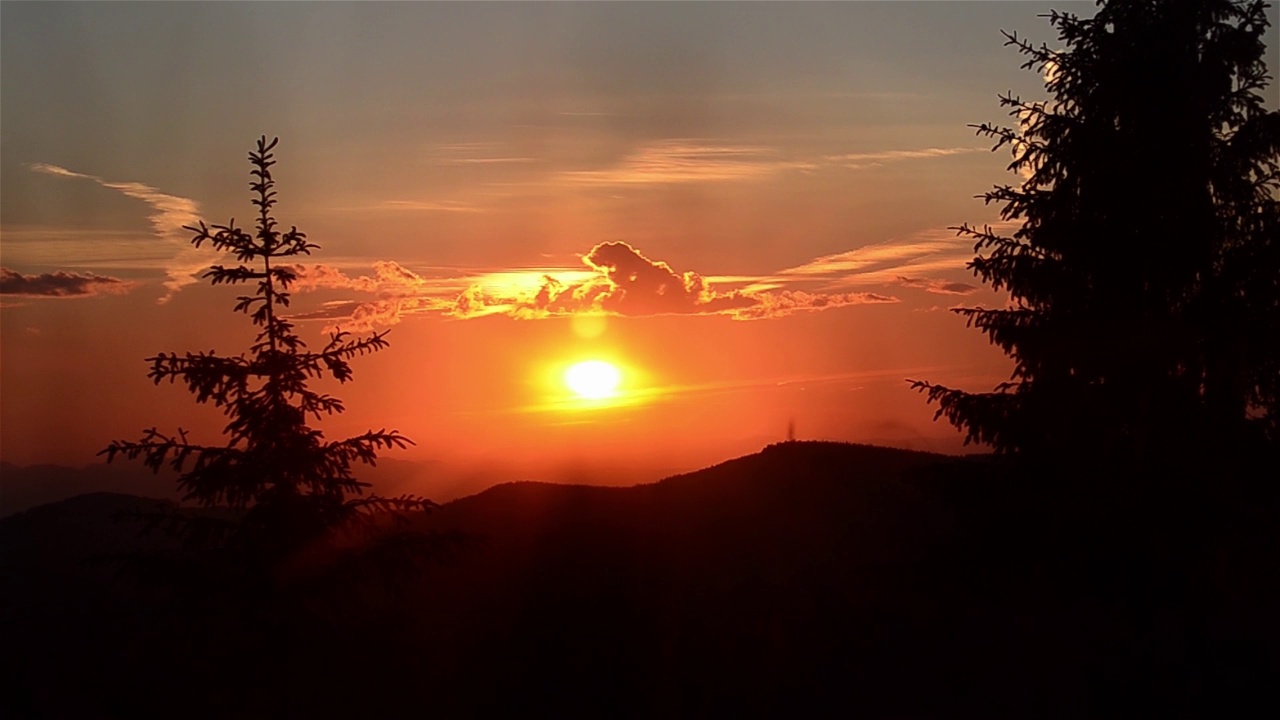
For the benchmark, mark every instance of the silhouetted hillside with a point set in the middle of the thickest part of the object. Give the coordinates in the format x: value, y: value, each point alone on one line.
x: 23, y: 487
x: 808, y: 579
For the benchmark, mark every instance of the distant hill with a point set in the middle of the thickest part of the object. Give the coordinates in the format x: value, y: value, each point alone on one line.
x: 810, y: 579
x: 23, y: 487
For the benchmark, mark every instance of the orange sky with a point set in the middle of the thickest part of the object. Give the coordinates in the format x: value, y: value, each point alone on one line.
x: 749, y: 203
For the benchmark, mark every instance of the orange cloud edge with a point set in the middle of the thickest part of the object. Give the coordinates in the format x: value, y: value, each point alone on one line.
x: 616, y: 279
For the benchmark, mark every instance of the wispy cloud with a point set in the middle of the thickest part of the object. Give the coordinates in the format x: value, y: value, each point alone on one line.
x: 689, y: 161
x: 937, y: 308
x: 877, y: 158
x: 389, y: 277
x: 487, y: 160
x: 60, y: 284
x: 788, y: 302
x: 683, y: 161
x: 81, y: 248
x: 925, y: 253
x: 465, y: 147
x: 939, y: 286
x: 367, y: 315
x: 399, y: 292
x: 477, y: 153
x: 169, y: 213
x: 409, y: 206
x: 673, y: 161
x: 894, y: 255
x: 425, y: 206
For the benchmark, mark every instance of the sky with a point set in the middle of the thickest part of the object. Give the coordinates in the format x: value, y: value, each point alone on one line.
x: 743, y: 208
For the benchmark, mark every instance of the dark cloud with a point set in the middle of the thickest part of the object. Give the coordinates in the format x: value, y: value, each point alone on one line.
x: 60, y: 284
x: 938, y: 286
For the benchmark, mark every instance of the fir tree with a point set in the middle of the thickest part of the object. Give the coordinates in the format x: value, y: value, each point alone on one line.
x: 291, y: 494
x: 1144, y: 280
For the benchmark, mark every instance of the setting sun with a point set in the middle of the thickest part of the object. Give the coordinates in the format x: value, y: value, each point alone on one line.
x: 593, y: 379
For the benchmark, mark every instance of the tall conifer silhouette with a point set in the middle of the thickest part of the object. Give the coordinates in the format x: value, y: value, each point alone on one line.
x: 1145, y: 277
x: 289, y: 489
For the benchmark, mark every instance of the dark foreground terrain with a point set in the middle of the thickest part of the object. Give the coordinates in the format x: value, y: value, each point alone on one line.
x: 811, y: 579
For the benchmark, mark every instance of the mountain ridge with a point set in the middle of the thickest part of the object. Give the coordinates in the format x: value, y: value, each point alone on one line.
x: 794, y: 580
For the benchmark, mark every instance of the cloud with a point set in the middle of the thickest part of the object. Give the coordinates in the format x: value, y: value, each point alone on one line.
x: 465, y: 147
x: 169, y: 213
x: 787, y: 302
x: 615, y: 278
x: 477, y: 153
x: 401, y: 292
x: 488, y: 160
x: 938, y: 286
x: 884, y: 262
x: 60, y: 284
x: 425, y: 206
x: 682, y: 161
x: 444, y: 206
x: 61, y: 172
x: 625, y: 282
x: 389, y: 279
x: 924, y: 253
x: 1019, y: 147
x: 857, y: 161
x: 670, y: 161
x: 388, y: 276
x: 938, y: 308
x: 364, y: 316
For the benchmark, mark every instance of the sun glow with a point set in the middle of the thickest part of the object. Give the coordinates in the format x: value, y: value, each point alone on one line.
x: 593, y: 379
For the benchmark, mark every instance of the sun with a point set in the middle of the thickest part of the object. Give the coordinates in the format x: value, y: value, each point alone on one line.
x: 593, y: 379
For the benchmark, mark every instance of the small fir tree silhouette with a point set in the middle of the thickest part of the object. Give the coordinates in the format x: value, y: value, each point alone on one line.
x: 288, y: 489
x: 1145, y: 276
